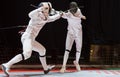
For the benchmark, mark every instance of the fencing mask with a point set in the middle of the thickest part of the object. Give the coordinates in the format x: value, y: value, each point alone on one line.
x: 73, y: 7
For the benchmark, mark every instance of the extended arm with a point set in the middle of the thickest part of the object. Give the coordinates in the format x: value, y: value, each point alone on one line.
x: 65, y: 15
x: 54, y: 17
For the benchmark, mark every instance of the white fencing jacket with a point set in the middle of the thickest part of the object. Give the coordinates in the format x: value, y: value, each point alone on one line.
x: 74, y: 22
x: 37, y: 21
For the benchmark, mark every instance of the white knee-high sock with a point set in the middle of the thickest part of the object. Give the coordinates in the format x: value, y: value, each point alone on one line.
x: 77, y: 57
x: 66, y: 55
x: 43, y: 62
x: 14, y: 60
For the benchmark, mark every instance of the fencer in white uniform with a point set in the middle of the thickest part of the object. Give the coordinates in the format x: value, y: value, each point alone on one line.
x: 73, y: 16
x: 38, y: 18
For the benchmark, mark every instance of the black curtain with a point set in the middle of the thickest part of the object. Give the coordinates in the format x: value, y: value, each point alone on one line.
x: 101, y: 27
x: 103, y: 21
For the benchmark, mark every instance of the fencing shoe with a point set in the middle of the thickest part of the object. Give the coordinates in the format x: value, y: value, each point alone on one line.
x: 63, y: 69
x: 5, y: 69
x: 77, y: 65
x: 49, y: 69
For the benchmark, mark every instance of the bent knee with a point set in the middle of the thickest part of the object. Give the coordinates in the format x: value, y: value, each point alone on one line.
x: 27, y: 55
x: 42, y: 52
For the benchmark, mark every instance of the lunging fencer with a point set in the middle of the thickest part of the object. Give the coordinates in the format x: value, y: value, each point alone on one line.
x: 73, y: 16
x: 38, y: 18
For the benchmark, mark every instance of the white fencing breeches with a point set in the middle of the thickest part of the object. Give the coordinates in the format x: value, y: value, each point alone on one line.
x: 30, y: 44
x: 71, y: 38
x: 69, y: 42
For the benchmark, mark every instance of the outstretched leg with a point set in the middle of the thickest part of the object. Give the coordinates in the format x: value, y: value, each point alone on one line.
x: 27, y: 50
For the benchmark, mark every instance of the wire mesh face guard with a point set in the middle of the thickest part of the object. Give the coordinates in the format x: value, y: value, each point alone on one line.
x: 46, y: 6
x: 73, y: 7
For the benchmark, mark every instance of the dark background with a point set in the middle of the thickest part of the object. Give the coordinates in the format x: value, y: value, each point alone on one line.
x: 101, y: 27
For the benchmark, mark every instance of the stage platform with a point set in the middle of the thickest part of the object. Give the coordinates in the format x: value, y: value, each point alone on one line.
x: 69, y: 73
